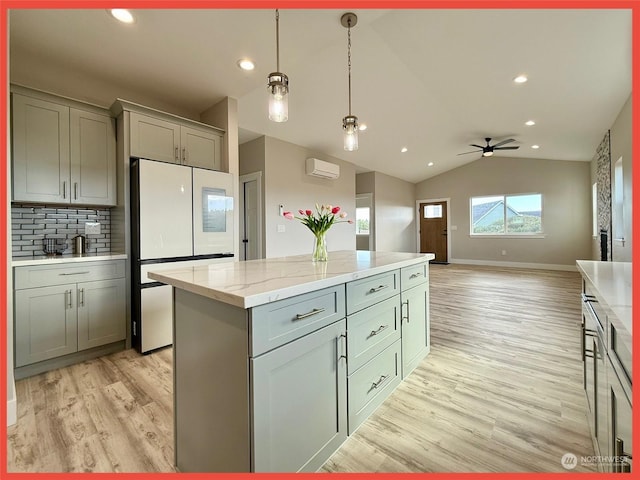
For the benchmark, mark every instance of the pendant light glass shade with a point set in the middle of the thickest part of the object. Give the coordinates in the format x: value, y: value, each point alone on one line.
x: 350, y: 128
x: 278, y: 97
x: 278, y: 86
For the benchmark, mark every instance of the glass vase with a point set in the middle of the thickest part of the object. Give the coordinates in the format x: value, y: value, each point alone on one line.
x: 320, y: 248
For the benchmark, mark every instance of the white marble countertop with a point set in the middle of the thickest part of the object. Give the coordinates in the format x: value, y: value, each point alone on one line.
x: 256, y: 282
x: 612, y: 280
x: 69, y: 258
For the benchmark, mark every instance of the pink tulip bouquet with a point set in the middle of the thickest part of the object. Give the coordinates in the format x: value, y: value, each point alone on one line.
x: 319, y: 223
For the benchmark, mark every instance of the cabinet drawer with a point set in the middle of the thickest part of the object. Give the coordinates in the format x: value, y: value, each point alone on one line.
x: 414, y: 275
x: 280, y: 322
x: 367, y: 291
x: 372, y: 330
x: 44, y: 275
x: 372, y: 384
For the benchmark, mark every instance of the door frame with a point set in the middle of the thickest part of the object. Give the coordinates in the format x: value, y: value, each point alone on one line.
x: 249, y: 177
x: 369, y: 198
x: 417, y: 210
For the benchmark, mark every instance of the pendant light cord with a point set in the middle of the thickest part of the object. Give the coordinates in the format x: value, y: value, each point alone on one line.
x: 349, y: 60
x: 277, y: 40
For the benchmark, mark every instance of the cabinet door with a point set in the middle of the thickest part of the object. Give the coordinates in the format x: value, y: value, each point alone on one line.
x: 93, y: 158
x: 40, y: 134
x: 45, y: 323
x: 415, y: 327
x: 619, y: 423
x: 299, y: 402
x: 200, y: 148
x: 154, y: 139
x: 101, y: 312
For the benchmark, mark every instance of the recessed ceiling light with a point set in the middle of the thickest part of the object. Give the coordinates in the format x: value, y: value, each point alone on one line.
x: 535, y: 146
x: 430, y: 164
x: 246, y: 64
x: 122, y: 15
x: 520, y: 79
x: 362, y: 127
x: 404, y: 149
x: 530, y: 123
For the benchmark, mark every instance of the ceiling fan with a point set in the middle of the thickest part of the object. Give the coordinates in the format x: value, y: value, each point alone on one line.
x: 487, y: 150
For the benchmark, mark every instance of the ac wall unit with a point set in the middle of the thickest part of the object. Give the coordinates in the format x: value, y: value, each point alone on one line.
x: 320, y: 168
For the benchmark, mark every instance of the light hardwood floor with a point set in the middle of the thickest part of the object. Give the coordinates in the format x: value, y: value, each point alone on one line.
x: 501, y: 391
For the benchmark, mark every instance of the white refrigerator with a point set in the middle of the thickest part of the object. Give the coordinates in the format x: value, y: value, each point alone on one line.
x: 181, y: 216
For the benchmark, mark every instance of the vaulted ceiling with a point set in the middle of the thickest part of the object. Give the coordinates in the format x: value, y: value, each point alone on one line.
x: 433, y: 81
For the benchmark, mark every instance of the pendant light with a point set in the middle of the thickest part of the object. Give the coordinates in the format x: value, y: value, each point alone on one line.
x: 350, y: 122
x: 278, y: 86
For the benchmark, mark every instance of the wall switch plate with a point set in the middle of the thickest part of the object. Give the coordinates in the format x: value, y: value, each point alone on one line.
x: 454, y: 227
x: 280, y: 228
x: 504, y: 252
x: 92, y: 228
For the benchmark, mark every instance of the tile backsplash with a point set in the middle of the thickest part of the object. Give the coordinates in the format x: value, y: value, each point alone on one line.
x: 31, y: 224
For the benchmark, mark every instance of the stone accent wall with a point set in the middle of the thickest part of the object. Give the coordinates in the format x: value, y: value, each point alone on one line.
x: 603, y: 179
x: 31, y: 224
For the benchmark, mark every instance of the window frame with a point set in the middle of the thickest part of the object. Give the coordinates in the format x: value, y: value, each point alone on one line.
x: 505, y: 196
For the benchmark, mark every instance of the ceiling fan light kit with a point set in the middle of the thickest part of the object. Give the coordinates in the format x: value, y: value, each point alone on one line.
x: 278, y: 86
x: 488, y: 149
x: 350, y: 122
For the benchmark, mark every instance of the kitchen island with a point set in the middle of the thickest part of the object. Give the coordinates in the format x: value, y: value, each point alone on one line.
x: 277, y: 361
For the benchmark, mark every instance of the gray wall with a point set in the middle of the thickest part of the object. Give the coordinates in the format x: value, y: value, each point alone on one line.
x: 286, y: 183
x: 621, y: 144
x: 394, y: 203
x: 566, y: 190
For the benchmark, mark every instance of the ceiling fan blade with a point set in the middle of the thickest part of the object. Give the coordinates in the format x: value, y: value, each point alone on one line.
x: 477, y: 146
x: 506, y: 148
x: 508, y: 140
x: 475, y: 151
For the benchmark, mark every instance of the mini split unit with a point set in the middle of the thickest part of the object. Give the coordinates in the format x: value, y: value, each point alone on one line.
x: 320, y: 168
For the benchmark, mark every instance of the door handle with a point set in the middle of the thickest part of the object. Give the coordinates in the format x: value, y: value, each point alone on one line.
x: 402, y: 317
x: 81, y: 297
x: 64, y: 189
x: 177, y: 155
x: 338, y: 345
x: 75, y: 190
x: 68, y: 302
x: 184, y: 154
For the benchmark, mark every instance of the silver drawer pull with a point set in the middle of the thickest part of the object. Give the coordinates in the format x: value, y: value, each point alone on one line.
x: 380, y: 381
x: 415, y: 275
x: 315, y: 311
x: 376, y: 332
x: 74, y: 273
x: 378, y: 288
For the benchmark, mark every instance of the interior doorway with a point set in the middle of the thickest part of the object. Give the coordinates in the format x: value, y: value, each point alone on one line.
x: 365, y: 228
x: 250, y: 216
x: 433, y: 229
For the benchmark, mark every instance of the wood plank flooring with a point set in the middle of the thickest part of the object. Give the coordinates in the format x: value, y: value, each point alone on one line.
x: 501, y: 391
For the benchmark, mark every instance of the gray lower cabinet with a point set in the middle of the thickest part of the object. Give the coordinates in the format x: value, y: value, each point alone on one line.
x: 299, y: 400
x: 55, y: 314
x: 279, y: 386
x: 46, y: 323
x: 415, y: 327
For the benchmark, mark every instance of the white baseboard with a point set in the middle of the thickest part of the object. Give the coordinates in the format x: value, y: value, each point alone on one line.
x: 537, y: 266
x: 12, y: 411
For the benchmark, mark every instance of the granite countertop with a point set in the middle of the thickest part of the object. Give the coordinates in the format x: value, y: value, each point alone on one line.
x: 612, y: 281
x: 256, y: 282
x: 66, y: 258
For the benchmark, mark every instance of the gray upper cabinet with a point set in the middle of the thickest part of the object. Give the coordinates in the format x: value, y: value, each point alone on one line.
x: 159, y: 139
x: 62, y: 154
x: 93, y: 153
x: 40, y: 136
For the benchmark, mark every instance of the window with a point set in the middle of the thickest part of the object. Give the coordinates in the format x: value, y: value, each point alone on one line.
x: 507, y: 215
x: 432, y: 211
x: 362, y: 220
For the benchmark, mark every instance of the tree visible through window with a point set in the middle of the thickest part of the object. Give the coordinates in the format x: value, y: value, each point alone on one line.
x: 362, y: 221
x: 507, y: 214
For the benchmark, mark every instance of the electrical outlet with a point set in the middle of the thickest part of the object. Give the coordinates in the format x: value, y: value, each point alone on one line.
x: 504, y: 252
x: 281, y: 229
x: 92, y: 228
